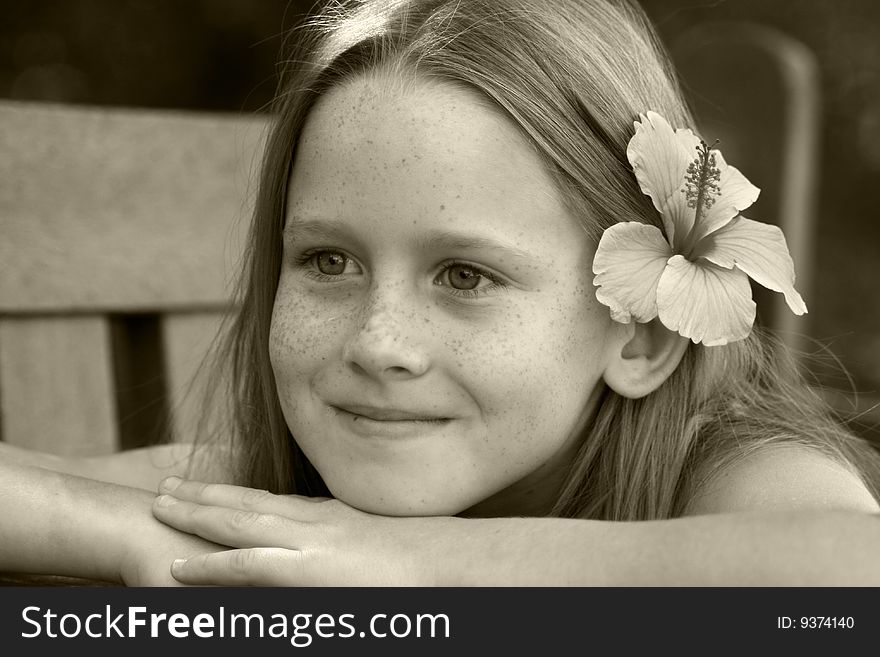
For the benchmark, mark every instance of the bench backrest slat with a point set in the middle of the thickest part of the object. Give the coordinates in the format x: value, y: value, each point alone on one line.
x: 120, y: 210
x: 108, y: 215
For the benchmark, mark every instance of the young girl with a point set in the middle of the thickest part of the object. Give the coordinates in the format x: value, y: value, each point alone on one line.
x: 494, y: 304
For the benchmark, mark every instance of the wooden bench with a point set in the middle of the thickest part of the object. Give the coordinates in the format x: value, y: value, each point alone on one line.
x: 120, y: 233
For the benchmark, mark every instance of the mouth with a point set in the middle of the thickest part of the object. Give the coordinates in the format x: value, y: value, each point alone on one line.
x: 387, y: 414
x: 371, y: 421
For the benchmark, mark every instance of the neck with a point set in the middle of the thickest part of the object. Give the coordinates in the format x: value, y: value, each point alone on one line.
x: 533, y: 496
x: 536, y: 494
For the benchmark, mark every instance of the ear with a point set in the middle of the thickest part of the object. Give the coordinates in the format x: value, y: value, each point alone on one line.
x: 642, y: 357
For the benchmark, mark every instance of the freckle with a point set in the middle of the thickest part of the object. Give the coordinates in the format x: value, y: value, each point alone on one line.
x: 442, y: 207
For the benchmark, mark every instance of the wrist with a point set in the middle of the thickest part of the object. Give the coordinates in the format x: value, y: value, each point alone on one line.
x: 50, y: 526
x: 523, y: 552
x: 455, y: 551
x: 104, y: 524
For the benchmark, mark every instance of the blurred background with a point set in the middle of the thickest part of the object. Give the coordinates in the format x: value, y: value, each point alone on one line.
x: 813, y: 65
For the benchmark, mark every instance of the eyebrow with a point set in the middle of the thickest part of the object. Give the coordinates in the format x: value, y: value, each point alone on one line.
x: 438, y: 239
x: 294, y: 228
x: 453, y: 241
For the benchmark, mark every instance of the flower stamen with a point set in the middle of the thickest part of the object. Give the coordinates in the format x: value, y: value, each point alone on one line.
x: 701, y: 186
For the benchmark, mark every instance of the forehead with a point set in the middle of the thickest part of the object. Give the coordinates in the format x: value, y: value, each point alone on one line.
x: 393, y: 123
x: 429, y: 151
x: 410, y: 112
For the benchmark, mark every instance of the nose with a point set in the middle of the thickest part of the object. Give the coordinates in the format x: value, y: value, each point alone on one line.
x: 385, y: 345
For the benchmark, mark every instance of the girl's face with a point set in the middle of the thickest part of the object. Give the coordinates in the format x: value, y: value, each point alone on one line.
x: 436, y: 341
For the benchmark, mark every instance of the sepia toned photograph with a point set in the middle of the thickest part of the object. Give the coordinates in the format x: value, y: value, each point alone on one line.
x: 440, y: 293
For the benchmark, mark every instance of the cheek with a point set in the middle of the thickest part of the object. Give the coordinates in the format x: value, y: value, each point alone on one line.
x: 302, y: 335
x: 541, y: 370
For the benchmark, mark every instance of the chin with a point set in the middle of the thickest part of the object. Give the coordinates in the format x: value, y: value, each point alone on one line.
x: 398, y: 504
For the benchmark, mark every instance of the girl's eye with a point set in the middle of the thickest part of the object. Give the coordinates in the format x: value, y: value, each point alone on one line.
x: 467, y: 280
x: 327, y: 264
x: 331, y: 263
x: 463, y: 278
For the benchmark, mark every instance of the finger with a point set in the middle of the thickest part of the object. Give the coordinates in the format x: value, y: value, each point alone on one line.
x: 234, y: 527
x: 237, y: 497
x: 253, y: 567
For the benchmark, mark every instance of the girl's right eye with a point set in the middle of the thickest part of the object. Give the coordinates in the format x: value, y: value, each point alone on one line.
x: 327, y: 264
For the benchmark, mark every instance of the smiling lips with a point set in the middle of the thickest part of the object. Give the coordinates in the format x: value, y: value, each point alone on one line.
x: 377, y: 414
x: 372, y: 422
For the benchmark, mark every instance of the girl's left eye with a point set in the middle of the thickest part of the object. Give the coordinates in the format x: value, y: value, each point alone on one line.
x: 467, y: 280
x: 328, y: 264
x: 331, y: 263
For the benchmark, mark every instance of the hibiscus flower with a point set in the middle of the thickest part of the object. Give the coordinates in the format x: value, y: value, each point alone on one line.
x: 695, y: 277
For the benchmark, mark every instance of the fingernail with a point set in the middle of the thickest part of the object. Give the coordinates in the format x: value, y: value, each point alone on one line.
x: 165, y: 500
x: 177, y: 564
x: 170, y: 483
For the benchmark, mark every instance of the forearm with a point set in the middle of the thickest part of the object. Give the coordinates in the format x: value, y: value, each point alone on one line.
x: 815, y: 548
x: 138, y: 468
x: 14, y: 455
x: 54, y: 523
x: 330, y: 543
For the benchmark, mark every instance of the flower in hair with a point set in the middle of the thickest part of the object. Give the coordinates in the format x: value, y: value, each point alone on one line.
x: 695, y: 277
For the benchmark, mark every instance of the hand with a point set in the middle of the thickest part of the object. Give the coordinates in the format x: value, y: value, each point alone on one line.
x: 58, y: 524
x: 150, y: 553
x: 289, y: 540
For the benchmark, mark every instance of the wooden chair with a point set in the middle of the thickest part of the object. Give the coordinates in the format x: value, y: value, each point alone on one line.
x: 120, y: 232
x: 757, y: 90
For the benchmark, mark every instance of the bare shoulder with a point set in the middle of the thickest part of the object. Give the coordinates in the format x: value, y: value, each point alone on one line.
x: 783, y: 477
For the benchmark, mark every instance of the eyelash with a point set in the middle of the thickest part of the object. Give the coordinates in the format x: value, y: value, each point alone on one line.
x: 307, y: 262
x: 496, y: 283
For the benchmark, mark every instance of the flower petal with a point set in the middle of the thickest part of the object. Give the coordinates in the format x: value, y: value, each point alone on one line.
x: 760, y: 251
x: 628, y: 264
x: 660, y: 157
x: 705, y: 303
x: 736, y: 194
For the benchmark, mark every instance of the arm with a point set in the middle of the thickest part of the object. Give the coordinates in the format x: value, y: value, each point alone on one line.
x: 783, y: 518
x: 55, y: 523
x: 803, y: 548
x: 818, y: 548
x: 139, y: 468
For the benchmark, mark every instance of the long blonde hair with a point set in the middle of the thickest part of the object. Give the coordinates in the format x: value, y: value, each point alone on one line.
x: 572, y: 75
